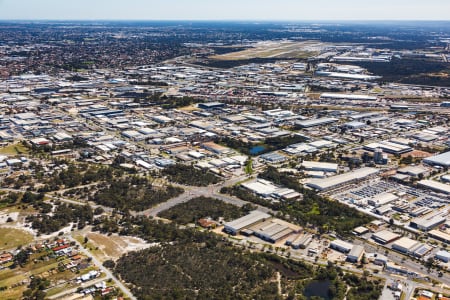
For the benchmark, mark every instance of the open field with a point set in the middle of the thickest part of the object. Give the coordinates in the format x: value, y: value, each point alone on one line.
x: 12, y: 238
x: 13, y: 149
x: 111, y: 247
x: 272, y: 49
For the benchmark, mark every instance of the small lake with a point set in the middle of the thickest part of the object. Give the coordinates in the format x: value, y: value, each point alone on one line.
x: 318, y: 288
x: 257, y: 150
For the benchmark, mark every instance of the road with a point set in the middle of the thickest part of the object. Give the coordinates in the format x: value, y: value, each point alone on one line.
x: 402, y: 260
x: 211, y: 191
x: 108, y: 273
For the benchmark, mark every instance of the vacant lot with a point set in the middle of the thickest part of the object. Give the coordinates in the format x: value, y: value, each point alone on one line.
x: 12, y: 238
x: 114, y: 246
x: 13, y: 149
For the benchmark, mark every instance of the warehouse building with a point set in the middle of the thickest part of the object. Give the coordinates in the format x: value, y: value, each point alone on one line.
x: 338, y: 180
x: 337, y: 96
x: 385, y: 237
x: 405, y: 245
x: 442, y: 160
x: 341, y: 246
x: 254, y: 217
x: 315, y: 122
x: 382, y: 199
x: 443, y: 256
x: 356, y: 254
x: 388, y: 147
x: 435, y: 186
x: 273, y: 230
x: 428, y: 222
x: 440, y: 235
x: 320, y: 166
x: 301, y: 242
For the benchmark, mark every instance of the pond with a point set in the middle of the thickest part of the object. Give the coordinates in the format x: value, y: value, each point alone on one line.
x: 257, y: 150
x: 318, y: 288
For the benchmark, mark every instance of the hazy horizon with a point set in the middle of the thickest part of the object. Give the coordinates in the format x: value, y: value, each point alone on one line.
x: 232, y: 10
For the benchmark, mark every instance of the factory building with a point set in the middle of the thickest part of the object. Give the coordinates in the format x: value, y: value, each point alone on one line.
x: 320, y: 166
x: 338, y: 180
x: 443, y: 256
x: 341, y: 246
x: 440, y: 235
x: 356, y: 254
x: 435, y: 186
x: 382, y: 199
x: 273, y: 230
x: 428, y: 222
x: 385, y: 237
x: 405, y: 245
x: 442, y: 160
x: 235, y: 226
x: 315, y: 122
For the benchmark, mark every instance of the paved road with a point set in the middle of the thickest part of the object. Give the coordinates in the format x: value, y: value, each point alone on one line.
x: 191, y: 192
x: 106, y: 271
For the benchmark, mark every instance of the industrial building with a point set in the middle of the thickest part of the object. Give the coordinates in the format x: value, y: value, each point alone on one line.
x: 301, y: 242
x: 435, y: 186
x: 315, y: 122
x: 335, y: 181
x: 273, y: 230
x: 385, y: 237
x: 320, y: 166
x: 428, y: 222
x: 440, y: 235
x: 235, y: 226
x: 356, y: 254
x: 347, y: 97
x: 443, y: 256
x: 382, y: 199
x: 405, y: 245
x: 388, y: 147
x: 442, y: 160
x: 341, y: 246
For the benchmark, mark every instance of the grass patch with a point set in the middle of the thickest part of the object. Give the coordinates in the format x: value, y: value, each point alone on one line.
x: 14, y: 149
x: 13, y: 294
x: 12, y: 238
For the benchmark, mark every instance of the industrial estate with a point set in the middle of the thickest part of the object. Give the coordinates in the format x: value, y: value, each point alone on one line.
x: 161, y: 161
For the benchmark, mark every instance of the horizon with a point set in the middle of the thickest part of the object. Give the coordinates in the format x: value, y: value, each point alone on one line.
x: 232, y: 10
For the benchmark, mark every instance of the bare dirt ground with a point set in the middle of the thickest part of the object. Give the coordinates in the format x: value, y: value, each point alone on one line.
x: 114, y: 246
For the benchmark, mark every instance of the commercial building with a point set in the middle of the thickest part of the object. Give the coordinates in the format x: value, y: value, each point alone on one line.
x: 442, y: 160
x: 356, y: 254
x: 385, y: 237
x: 335, y: 181
x: 254, y: 217
x: 341, y: 246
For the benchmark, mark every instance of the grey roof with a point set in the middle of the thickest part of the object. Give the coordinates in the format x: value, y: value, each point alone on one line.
x: 441, y: 159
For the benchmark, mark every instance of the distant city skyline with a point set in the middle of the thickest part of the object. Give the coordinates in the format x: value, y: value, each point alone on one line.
x: 270, y: 10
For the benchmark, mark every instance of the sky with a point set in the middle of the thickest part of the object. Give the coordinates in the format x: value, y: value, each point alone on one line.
x: 292, y: 10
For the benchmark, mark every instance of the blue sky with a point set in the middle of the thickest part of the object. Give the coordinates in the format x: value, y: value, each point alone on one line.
x: 225, y: 9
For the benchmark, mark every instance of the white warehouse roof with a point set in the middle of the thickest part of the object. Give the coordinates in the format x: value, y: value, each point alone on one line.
x: 334, y: 181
